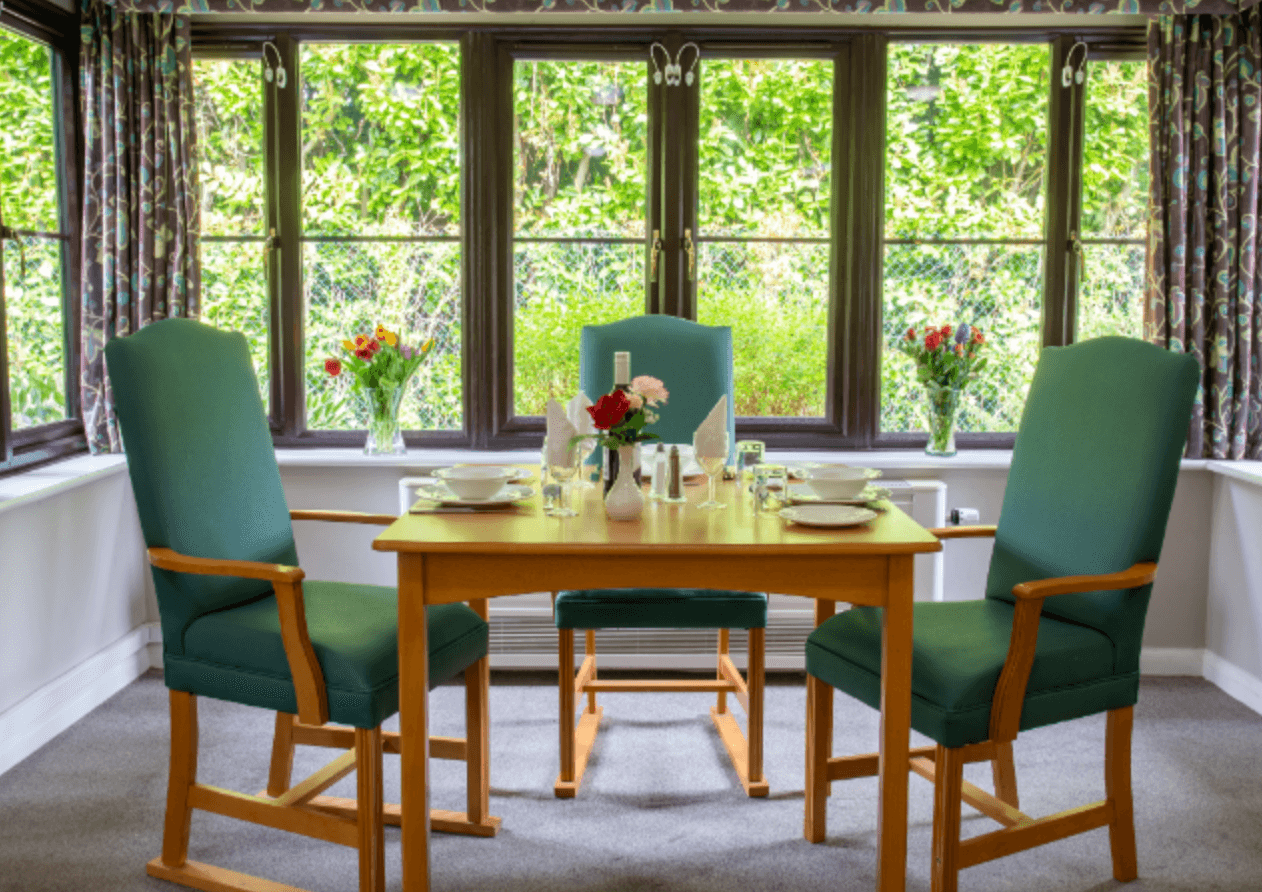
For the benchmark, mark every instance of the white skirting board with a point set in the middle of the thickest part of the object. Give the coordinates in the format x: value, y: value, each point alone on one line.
x: 36, y: 720
x: 41, y: 716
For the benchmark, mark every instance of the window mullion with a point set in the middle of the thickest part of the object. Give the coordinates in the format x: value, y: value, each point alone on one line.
x: 284, y: 159
x: 1064, y: 156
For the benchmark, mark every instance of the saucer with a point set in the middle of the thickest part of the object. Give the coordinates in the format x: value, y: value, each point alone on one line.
x: 827, y: 515
x: 871, y: 493
x: 512, y: 492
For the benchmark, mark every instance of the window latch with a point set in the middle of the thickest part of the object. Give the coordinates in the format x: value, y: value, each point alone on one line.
x: 654, y: 253
x: 691, y: 250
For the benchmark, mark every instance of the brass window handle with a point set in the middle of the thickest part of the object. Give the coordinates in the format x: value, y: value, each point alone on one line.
x: 691, y: 250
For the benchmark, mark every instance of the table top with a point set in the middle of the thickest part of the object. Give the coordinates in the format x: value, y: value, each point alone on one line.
x: 679, y: 529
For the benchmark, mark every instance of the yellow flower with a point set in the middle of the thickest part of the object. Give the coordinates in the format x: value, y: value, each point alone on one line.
x: 390, y: 338
x: 361, y: 341
x: 349, y: 345
x: 425, y: 347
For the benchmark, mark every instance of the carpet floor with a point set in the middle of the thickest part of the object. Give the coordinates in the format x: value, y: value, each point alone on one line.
x: 660, y: 808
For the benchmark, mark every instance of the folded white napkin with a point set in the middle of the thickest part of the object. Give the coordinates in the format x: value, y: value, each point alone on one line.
x: 711, y: 437
x: 560, y: 432
x: 576, y: 410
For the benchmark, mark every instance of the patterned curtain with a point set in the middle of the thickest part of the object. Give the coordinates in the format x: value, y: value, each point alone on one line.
x: 140, y: 208
x: 1205, y: 98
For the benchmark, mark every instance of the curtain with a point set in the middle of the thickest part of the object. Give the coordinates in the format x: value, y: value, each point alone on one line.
x: 1205, y: 98
x: 140, y: 203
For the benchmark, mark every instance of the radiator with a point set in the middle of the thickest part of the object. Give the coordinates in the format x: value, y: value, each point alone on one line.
x: 523, y: 635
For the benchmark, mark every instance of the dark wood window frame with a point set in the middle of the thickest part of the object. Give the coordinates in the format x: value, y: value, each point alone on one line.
x: 857, y: 211
x: 58, y: 29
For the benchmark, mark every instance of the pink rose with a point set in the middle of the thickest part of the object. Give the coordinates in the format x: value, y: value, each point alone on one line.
x: 651, y: 389
x: 637, y: 401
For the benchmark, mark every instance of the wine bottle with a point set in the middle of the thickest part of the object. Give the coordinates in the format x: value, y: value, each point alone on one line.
x: 621, y: 381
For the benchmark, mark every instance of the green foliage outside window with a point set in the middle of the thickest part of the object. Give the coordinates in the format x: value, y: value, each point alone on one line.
x: 28, y: 192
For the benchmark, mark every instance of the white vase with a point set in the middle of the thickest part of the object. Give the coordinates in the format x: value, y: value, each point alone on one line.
x: 624, y: 501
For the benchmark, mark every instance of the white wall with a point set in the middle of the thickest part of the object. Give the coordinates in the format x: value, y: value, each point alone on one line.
x: 75, y: 600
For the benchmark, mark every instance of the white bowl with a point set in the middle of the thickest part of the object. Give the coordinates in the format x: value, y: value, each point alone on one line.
x: 474, y: 481
x: 839, y: 482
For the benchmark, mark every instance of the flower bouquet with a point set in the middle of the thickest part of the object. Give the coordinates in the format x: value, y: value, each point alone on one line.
x: 945, y: 363
x: 619, y: 418
x: 382, y: 367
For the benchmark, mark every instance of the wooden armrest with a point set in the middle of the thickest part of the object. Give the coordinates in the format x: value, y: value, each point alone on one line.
x: 970, y: 532
x: 1132, y: 577
x: 313, y: 704
x: 1009, y: 698
x: 166, y: 559
x: 383, y: 520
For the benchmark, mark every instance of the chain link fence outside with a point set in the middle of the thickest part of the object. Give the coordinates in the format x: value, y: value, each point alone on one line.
x: 1111, y: 290
x: 36, y: 344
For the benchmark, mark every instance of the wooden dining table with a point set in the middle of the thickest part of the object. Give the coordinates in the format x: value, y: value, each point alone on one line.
x: 473, y: 556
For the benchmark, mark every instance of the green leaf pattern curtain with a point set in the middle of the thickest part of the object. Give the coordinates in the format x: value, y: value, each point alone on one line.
x: 1205, y: 99
x: 140, y: 208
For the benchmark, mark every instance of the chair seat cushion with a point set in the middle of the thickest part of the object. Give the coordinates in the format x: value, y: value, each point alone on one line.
x: 958, y: 652
x: 660, y: 608
x: 237, y: 654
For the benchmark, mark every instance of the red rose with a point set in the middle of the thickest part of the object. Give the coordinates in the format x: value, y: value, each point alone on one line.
x: 609, y: 409
x: 932, y: 340
x: 333, y: 367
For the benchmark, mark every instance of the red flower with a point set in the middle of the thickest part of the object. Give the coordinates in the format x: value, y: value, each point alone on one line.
x: 374, y: 346
x: 333, y: 367
x: 932, y: 340
x: 911, y: 334
x: 609, y: 409
x: 946, y: 332
x: 978, y: 337
x: 365, y: 354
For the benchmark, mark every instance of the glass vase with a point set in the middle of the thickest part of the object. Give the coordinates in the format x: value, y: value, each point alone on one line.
x: 942, y: 405
x: 384, y: 435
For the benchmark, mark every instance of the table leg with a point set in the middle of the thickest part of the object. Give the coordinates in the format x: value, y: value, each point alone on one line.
x: 414, y: 721
x: 896, y: 641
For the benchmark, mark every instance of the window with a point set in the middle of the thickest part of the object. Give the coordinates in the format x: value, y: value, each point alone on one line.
x: 965, y: 157
x: 819, y: 191
x: 381, y: 220
x: 228, y: 94
x: 37, y: 251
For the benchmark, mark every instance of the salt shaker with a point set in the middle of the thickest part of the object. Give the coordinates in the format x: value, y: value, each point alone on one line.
x: 661, y: 469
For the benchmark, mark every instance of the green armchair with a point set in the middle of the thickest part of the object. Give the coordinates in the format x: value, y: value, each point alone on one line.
x: 1058, y: 633
x: 241, y: 623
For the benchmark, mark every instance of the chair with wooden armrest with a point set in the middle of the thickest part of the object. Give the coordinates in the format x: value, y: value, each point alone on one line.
x: 695, y: 363
x: 241, y: 623
x: 1058, y: 634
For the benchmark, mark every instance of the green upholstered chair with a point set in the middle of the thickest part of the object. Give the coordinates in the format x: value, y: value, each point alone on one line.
x: 240, y: 622
x: 695, y: 363
x: 1058, y: 633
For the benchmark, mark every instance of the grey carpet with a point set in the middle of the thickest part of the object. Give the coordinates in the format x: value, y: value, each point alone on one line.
x: 659, y: 810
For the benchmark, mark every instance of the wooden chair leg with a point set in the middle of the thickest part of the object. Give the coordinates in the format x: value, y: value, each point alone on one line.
x: 181, y: 778
x: 371, y: 799
x: 948, y: 791
x: 819, y: 726
x: 1117, y: 788
x: 589, y: 644
x: 281, y: 772
x: 1004, y: 771
x: 724, y: 642
x: 477, y: 741
x: 755, y: 677
x: 565, y: 683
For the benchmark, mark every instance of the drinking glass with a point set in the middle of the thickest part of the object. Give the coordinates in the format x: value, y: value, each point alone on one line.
x: 563, y: 474
x: 771, y: 488
x: 585, y: 450
x: 748, y: 454
x: 713, y: 467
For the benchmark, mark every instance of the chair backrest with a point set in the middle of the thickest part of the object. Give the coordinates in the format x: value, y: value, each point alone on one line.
x: 201, y: 462
x: 694, y: 361
x: 1092, y: 478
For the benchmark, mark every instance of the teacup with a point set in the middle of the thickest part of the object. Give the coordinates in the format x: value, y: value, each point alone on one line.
x: 839, y: 481
x: 474, y: 482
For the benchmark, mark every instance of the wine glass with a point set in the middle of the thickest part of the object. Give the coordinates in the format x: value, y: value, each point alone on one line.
x: 585, y: 450
x: 713, y: 467
x: 563, y: 473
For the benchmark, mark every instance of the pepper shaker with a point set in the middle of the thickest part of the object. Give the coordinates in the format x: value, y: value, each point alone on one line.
x: 661, y: 470
x: 675, y: 479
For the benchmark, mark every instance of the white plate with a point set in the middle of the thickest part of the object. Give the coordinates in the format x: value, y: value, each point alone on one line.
x: 871, y: 493
x: 444, y: 496
x: 827, y: 515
